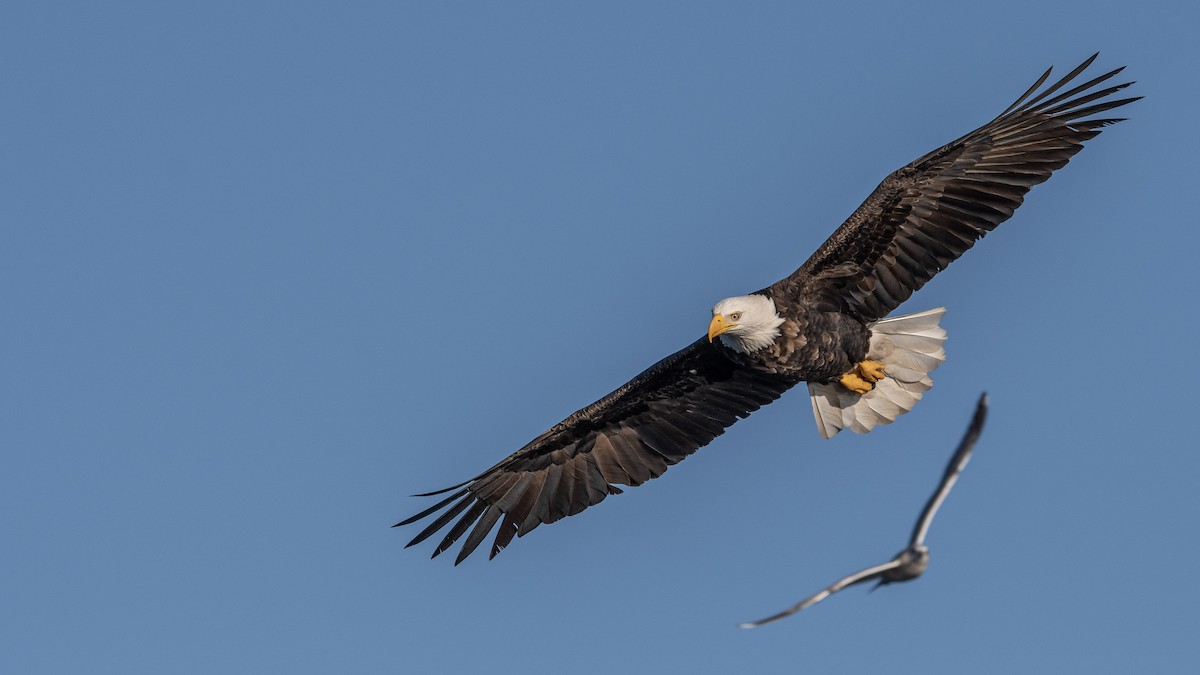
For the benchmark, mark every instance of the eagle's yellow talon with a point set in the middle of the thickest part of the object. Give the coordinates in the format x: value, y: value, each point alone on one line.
x: 871, y: 371
x: 864, y: 376
x: 856, y: 384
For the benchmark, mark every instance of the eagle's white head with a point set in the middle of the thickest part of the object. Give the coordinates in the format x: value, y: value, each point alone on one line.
x: 745, y: 323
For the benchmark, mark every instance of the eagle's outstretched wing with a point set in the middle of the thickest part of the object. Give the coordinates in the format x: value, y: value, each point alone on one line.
x: 626, y: 438
x: 925, y: 215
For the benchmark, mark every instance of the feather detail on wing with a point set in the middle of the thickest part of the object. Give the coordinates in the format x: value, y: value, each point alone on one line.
x: 630, y: 436
x: 927, y: 214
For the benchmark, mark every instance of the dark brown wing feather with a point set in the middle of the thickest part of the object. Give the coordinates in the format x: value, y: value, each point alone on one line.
x: 927, y: 214
x: 626, y: 438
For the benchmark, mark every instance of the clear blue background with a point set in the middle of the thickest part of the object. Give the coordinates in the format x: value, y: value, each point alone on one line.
x: 269, y: 268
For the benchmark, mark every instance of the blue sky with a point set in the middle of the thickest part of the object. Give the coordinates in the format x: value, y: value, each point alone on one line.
x: 267, y: 269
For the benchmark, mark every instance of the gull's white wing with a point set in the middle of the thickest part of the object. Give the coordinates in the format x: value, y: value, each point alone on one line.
x: 857, y: 578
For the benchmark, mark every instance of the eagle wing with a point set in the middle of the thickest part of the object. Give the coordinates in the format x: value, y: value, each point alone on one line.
x: 925, y: 215
x: 658, y: 418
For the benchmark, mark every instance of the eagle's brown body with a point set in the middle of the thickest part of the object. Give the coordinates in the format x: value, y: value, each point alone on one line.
x: 813, y: 345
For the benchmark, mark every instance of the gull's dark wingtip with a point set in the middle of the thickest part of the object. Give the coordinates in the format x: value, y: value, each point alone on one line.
x: 981, y: 412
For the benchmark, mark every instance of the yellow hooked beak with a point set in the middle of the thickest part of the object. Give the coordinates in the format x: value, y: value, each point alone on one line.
x: 718, y: 325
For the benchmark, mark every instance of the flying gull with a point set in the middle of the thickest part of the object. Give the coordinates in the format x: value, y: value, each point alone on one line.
x: 911, y: 562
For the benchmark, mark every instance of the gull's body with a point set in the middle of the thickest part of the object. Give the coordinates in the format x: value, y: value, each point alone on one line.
x: 912, y: 561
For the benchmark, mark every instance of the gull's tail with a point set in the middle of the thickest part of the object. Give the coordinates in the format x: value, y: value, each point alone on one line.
x: 910, y: 347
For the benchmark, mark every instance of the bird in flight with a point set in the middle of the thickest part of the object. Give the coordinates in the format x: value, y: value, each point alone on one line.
x: 825, y: 324
x: 912, y: 561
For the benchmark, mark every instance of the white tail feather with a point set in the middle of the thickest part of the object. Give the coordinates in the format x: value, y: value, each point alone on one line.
x: 910, y: 347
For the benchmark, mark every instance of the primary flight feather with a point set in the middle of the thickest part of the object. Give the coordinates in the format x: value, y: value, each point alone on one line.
x: 824, y: 324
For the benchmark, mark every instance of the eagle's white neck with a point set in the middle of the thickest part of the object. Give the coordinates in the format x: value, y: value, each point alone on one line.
x: 752, y: 341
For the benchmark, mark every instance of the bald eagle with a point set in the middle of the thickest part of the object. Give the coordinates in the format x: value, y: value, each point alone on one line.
x: 824, y: 324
